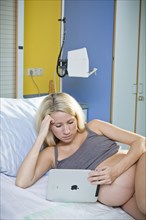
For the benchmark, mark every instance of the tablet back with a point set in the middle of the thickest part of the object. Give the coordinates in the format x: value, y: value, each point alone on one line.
x: 70, y: 185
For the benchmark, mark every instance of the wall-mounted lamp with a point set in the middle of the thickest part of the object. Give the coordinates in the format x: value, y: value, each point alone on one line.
x: 76, y: 64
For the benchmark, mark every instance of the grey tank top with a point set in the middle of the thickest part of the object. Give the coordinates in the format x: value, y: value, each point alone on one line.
x: 95, y: 149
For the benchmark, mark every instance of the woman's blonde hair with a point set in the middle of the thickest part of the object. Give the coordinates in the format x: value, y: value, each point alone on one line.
x: 62, y: 102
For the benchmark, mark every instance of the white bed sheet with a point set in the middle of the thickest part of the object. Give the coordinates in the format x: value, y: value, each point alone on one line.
x: 30, y: 203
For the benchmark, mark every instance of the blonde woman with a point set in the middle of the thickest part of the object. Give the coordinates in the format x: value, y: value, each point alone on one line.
x: 73, y: 144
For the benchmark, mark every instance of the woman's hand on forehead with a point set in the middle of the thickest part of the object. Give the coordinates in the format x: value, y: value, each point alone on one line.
x: 45, y: 125
x: 49, y: 118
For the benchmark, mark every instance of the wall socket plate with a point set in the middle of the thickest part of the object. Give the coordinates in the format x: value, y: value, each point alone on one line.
x: 35, y: 71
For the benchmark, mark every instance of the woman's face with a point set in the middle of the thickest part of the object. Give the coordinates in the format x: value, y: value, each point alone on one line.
x: 64, y: 126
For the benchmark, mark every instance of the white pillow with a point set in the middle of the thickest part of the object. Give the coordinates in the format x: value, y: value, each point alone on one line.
x: 17, y: 131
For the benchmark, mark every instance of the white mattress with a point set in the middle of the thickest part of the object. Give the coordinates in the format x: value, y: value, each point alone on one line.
x: 30, y: 203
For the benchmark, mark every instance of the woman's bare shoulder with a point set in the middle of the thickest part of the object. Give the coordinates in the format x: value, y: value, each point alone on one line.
x: 48, y: 155
x: 95, y: 126
x: 48, y: 149
x: 48, y: 152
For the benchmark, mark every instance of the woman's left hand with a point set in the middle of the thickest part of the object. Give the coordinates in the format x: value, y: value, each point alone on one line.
x: 104, y: 175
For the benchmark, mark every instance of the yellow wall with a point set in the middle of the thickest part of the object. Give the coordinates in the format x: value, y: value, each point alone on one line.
x: 41, y: 42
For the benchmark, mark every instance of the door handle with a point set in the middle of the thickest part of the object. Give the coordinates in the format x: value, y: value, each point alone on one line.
x: 140, y: 98
x: 140, y: 89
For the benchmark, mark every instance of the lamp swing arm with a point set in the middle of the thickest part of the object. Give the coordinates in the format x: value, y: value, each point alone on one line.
x: 62, y: 64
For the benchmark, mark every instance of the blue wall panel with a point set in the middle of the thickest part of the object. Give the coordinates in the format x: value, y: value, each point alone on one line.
x: 89, y: 23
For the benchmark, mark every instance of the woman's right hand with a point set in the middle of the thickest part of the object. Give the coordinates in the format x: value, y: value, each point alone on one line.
x: 45, y: 125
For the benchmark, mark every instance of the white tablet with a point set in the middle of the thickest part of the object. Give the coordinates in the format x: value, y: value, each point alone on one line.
x: 70, y: 185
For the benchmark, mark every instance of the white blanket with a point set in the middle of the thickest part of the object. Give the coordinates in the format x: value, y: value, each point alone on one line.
x: 30, y: 203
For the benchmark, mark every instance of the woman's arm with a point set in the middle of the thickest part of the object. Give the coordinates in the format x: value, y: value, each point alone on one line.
x: 136, y: 142
x: 36, y: 164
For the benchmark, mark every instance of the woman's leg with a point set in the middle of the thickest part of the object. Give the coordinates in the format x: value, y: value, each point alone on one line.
x: 136, y: 206
x: 132, y: 209
x: 140, y: 184
x: 120, y: 191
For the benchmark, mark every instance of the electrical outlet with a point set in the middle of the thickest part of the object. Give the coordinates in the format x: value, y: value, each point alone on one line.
x: 31, y: 72
x: 38, y: 71
x: 35, y: 71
